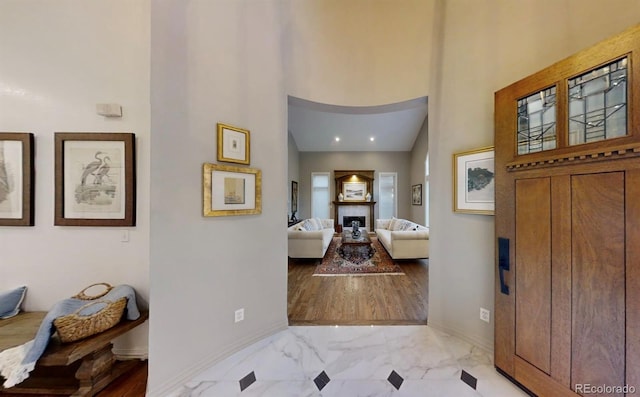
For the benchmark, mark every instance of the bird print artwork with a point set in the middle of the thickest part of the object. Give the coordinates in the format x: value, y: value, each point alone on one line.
x: 103, y: 171
x: 90, y: 168
x: 96, y: 188
x: 11, y: 184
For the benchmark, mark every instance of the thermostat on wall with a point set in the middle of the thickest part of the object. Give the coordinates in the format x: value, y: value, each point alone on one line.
x: 109, y: 109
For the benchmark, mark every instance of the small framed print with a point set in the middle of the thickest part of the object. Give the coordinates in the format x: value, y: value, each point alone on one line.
x: 229, y: 190
x: 95, y: 179
x: 16, y: 179
x: 474, y: 181
x: 416, y: 194
x: 233, y: 144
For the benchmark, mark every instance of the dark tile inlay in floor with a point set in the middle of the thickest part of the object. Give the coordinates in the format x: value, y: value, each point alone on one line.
x: 321, y: 380
x: 247, y: 381
x: 395, y: 379
x: 469, y: 379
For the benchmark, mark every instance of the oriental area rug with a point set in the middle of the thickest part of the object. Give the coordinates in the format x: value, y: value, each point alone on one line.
x: 356, y: 261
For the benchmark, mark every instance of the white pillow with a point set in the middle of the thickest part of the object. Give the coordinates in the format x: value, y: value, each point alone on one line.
x: 409, y: 226
x: 309, y: 225
x: 384, y: 224
x: 392, y: 223
x: 319, y: 225
x: 399, y: 225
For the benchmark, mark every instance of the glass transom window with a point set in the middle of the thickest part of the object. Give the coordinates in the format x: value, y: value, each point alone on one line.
x: 598, y: 104
x: 537, y: 122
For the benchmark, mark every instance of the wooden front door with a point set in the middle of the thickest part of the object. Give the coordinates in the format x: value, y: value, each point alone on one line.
x: 567, y: 304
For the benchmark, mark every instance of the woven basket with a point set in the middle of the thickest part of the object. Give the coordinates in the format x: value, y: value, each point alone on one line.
x: 83, y: 296
x: 74, y: 326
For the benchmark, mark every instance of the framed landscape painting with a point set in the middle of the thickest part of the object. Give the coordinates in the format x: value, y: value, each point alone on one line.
x: 474, y: 181
x: 229, y: 190
x: 16, y: 179
x: 95, y: 179
x: 354, y: 191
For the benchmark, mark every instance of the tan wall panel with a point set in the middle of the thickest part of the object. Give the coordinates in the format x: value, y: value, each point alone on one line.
x: 561, y: 280
x: 633, y: 277
x: 533, y: 274
x: 598, y: 280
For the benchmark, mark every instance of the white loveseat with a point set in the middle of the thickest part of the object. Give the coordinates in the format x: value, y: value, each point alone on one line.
x: 403, y: 239
x: 310, y: 238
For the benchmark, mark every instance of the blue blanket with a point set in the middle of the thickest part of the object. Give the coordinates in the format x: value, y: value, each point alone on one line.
x: 16, y: 363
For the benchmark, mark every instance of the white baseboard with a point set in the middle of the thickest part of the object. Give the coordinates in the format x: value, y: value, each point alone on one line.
x: 173, y: 386
x: 482, y: 343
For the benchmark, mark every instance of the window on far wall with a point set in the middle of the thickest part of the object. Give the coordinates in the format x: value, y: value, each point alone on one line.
x: 387, y: 197
x: 425, y: 191
x: 320, y: 195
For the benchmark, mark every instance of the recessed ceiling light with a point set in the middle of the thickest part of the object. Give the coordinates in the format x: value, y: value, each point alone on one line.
x: 337, y: 139
x: 372, y: 139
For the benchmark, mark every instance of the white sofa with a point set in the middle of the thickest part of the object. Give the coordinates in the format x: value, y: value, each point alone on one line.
x: 403, y: 239
x: 310, y: 238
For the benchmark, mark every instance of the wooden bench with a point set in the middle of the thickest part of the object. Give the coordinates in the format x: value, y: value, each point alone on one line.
x: 81, y: 368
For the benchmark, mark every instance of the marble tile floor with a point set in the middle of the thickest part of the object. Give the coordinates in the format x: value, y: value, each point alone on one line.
x: 352, y: 361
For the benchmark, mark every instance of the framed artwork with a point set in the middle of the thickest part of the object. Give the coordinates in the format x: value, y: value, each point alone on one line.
x: 95, y: 179
x: 416, y: 194
x: 294, y: 198
x: 233, y: 144
x: 16, y: 179
x: 474, y: 181
x: 229, y: 190
x: 354, y: 191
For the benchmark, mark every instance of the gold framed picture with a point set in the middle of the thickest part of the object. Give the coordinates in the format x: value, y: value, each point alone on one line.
x: 233, y: 144
x: 230, y: 190
x: 474, y: 181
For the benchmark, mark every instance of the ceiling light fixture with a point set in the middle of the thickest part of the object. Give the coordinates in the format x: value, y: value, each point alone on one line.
x: 337, y: 139
x: 372, y: 139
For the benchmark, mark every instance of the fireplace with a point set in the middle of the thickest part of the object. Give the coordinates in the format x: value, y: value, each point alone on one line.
x: 347, y: 220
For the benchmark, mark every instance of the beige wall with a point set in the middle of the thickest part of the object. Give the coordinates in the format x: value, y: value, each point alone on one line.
x: 486, y: 45
x: 358, y: 52
x: 293, y: 157
x: 417, y: 170
x: 214, y: 61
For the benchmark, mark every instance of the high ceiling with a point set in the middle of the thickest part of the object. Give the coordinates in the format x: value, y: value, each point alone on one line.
x: 393, y: 127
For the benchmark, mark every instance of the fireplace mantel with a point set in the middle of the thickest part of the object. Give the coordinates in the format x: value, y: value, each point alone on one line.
x: 338, y: 204
x: 371, y: 203
x: 363, y: 178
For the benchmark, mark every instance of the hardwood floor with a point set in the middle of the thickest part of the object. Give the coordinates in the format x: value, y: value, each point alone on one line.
x: 130, y: 384
x: 358, y: 300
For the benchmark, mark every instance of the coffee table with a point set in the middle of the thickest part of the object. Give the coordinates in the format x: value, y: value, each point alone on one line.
x: 349, y: 243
